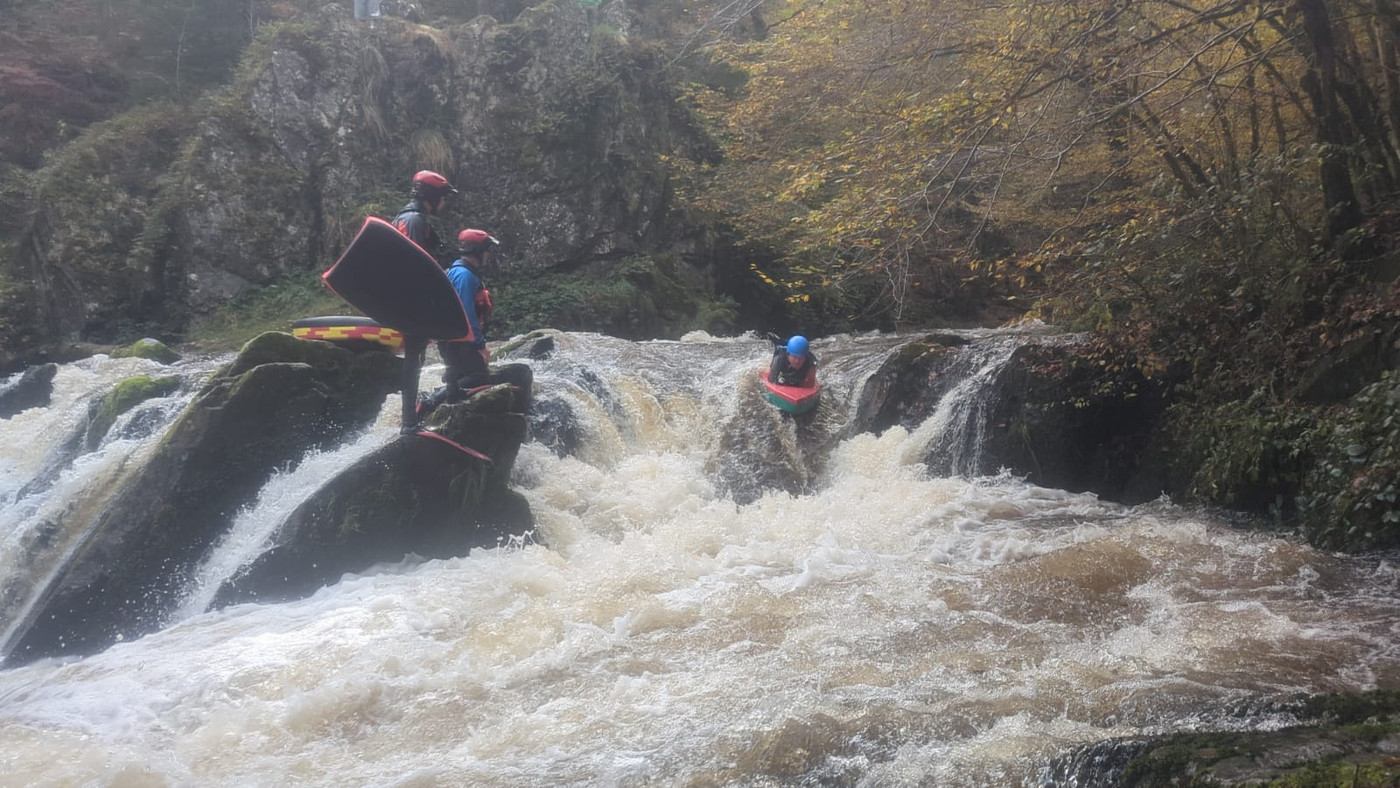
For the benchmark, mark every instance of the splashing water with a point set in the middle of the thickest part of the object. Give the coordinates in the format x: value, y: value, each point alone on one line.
x: 887, y: 627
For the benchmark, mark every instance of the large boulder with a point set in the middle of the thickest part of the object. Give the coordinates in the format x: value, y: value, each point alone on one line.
x: 416, y: 496
x: 280, y: 398
x: 1042, y: 409
x: 1061, y: 421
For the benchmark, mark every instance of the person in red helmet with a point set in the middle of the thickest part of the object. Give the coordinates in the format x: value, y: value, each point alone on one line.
x: 468, y: 362
x: 429, y: 194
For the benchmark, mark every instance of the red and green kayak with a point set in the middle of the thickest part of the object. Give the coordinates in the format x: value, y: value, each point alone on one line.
x: 791, y: 399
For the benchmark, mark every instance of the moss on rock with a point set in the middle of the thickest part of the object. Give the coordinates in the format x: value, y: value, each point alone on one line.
x: 148, y: 348
x: 126, y: 395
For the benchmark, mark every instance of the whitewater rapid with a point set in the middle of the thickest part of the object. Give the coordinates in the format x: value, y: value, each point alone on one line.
x: 889, y: 627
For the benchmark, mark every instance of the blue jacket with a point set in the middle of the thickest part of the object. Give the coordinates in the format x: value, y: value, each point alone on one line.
x: 468, y: 284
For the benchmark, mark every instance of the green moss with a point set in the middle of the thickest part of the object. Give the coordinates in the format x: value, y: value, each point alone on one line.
x: 126, y: 395
x: 1349, y: 729
x: 148, y: 348
x: 101, y: 197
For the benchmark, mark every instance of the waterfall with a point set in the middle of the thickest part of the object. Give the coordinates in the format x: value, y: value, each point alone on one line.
x: 954, y: 435
x: 52, y: 489
x: 718, y: 594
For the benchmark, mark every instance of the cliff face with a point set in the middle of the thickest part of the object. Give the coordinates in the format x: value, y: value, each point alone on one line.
x: 555, y: 127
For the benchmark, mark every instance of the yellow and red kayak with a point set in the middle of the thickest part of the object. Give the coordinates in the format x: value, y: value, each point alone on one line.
x: 791, y: 399
x: 356, y: 333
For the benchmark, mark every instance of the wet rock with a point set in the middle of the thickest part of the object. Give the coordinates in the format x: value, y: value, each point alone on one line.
x: 31, y: 390
x: 417, y: 496
x: 1341, y: 740
x: 280, y: 398
x: 1061, y: 422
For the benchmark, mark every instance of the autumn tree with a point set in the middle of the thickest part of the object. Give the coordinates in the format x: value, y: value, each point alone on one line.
x: 930, y: 142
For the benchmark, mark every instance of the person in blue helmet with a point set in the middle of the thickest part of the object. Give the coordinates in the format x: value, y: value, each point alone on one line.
x: 793, y: 364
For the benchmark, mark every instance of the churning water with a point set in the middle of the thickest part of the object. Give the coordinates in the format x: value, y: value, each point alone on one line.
x: 863, y: 622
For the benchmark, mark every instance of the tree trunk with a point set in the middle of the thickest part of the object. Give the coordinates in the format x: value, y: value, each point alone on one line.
x: 1320, y: 83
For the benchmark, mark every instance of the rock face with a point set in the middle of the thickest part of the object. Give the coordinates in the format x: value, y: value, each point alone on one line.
x: 554, y: 123
x: 1061, y: 423
x: 278, y: 399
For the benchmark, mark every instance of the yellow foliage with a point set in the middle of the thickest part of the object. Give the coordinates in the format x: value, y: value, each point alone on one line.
x: 885, y: 138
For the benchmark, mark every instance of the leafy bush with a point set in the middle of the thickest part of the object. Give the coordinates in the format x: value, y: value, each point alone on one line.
x: 1350, y: 495
x: 1248, y: 453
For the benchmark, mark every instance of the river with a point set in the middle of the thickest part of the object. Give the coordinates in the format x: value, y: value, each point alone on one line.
x: 867, y: 622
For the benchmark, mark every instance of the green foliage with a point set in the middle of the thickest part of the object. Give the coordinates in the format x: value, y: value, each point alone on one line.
x: 1351, y: 498
x: 271, y: 308
x: 637, y: 298
x: 1248, y: 453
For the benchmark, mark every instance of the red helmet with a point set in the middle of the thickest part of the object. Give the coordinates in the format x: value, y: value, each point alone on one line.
x: 471, y: 240
x: 431, y: 185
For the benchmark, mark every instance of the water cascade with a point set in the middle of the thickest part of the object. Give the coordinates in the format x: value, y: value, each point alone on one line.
x: 716, y: 594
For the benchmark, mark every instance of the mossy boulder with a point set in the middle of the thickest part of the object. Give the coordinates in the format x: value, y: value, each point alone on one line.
x: 1346, y: 741
x: 280, y: 398
x: 126, y: 395
x: 148, y: 348
x: 417, y: 495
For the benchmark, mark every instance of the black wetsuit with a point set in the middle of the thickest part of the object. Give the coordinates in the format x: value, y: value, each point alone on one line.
x: 783, y: 374
x: 413, y: 222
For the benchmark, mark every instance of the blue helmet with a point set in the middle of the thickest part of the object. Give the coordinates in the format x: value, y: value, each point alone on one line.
x: 797, y: 346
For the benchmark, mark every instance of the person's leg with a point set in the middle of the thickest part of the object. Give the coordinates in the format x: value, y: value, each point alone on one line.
x: 473, y: 369
x: 413, y: 348
x: 457, y: 359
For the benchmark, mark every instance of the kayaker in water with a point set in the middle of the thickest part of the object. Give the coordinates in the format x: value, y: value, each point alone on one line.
x: 793, y: 364
x: 429, y: 194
